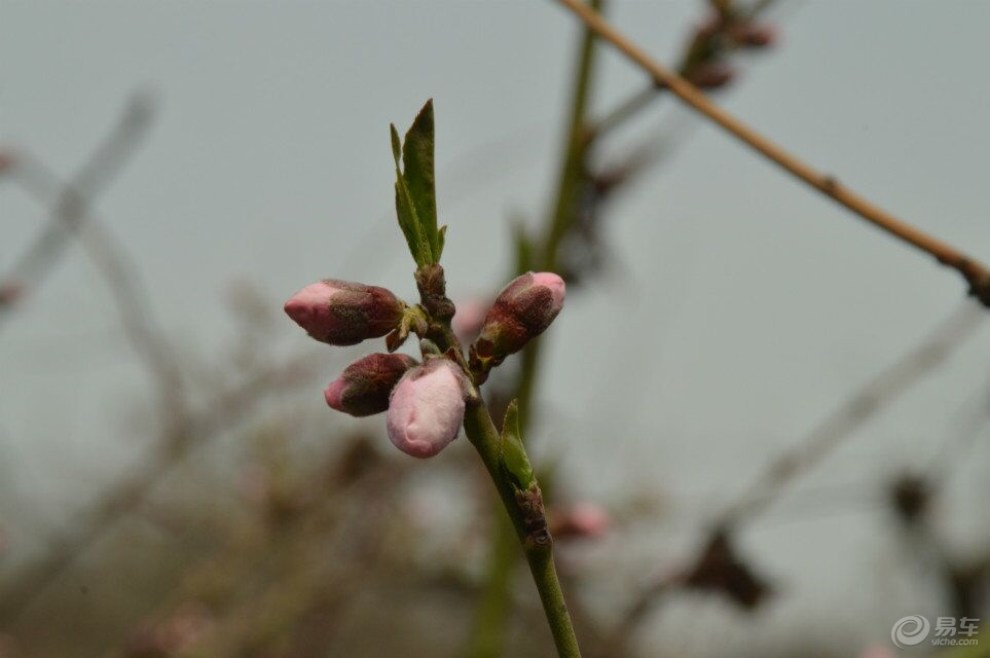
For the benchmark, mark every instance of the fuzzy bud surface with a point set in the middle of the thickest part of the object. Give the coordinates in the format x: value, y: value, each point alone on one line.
x: 364, y: 387
x: 427, y: 408
x: 344, y: 313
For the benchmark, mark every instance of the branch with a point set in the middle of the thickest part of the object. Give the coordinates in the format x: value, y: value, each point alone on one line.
x: 223, y: 411
x: 975, y: 273
x: 69, y: 201
x: 886, y: 387
x: 525, y: 509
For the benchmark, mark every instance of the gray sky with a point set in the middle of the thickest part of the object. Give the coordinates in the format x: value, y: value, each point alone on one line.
x: 743, y: 305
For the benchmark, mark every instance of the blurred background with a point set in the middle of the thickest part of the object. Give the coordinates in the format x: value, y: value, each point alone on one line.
x: 762, y: 423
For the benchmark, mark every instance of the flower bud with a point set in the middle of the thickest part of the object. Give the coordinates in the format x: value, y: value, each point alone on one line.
x: 469, y: 318
x: 711, y: 75
x: 523, y: 310
x: 364, y: 387
x: 7, y: 161
x: 582, y: 520
x: 427, y: 408
x: 754, y: 35
x: 344, y: 313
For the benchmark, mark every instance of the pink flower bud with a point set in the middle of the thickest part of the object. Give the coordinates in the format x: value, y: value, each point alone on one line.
x: 753, y: 35
x: 469, y: 318
x: 344, y: 313
x: 523, y: 310
x: 427, y: 408
x: 711, y: 75
x: 364, y: 387
x: 582, y: 520
x: 10, y: 292
x: 7, y: 161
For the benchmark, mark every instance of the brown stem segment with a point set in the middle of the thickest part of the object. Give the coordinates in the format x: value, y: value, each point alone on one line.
x: 975, y: 273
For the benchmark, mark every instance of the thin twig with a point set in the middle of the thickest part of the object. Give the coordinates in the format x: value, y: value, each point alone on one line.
x: 69, y: 201
x: 854, y: 412
x: 120, y: 274
x: 975, y: 273
x: 487, y: 638
x: 225, y: 410
x: 640, y: 100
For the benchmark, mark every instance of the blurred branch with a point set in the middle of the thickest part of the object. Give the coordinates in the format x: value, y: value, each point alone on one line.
x: 712, y: 41
x: 287, y: 581
x: 885, y: 388
x: 973, y: 417
x: 963, y: 581
x: 72, y: 215
x: 69, y: 201
x: 123, y: 280
x: 223, y: 411
x: 850, y: 415
x: 487, y: 639
x: 975, y: 273
x: 579, y: 193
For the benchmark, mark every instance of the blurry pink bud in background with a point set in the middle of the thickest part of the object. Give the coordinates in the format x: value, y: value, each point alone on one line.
x: 364, y: 387
x: 344, y: 313
x: 10, y: 292
x: 753, y: 35
x: 7, y: 161
x: 522, y: 311
x: 711, y: 75
x: 470, y: 317
x: 427, y: 408
x: 581, y: 520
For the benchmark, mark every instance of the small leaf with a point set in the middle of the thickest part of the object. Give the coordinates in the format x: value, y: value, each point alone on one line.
x: 394, y: 340
x: 441, y: 237
x: 514, y: 458
x: 419, y: 246
x: 417, y: 160
x: 396, y: 146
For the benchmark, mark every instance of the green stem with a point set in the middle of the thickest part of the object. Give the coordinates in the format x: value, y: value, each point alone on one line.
x: 535, y: 541
x: 489, y: 632
x: 569, y: 179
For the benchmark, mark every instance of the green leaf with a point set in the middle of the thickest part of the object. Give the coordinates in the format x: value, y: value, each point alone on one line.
x: 396, y: 146
x: 514, y: 458
x: 409, y: 222
x: 441, y: 237
x: 417, y: 160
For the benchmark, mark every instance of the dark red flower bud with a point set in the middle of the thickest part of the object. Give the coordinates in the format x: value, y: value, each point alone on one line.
x: 522, y: 311
x: 364, y: 387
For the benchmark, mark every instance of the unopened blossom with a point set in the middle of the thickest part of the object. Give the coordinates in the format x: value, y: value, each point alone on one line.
x: 364, y: 387
x: 427, y: 408
x: 343, y: 312
x: 750, y: 34
x: 581, y: 520
x: 469, y: 318
x: 523, y: 310
x: 711, y: 75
